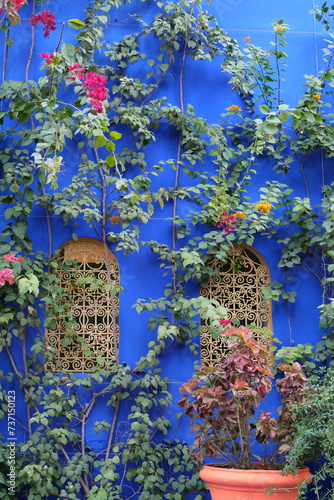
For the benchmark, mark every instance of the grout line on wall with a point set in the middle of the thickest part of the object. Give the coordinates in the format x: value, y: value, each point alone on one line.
x: 266, y: 31
x: 58, y: 216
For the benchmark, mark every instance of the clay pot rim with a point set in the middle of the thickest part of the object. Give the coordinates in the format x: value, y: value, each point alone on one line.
x: 256, y: 469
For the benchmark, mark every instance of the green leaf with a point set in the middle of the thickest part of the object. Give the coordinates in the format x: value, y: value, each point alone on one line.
x: 270, y: 128
x: 9, y: 41
x: 76, y: 24
x: 110, y: 146
x: 264, y: 109
x: 115, y: 135
x: 20, y: 229
x: 110, y: 161
x: 68, y: 52
x: 100, y: 141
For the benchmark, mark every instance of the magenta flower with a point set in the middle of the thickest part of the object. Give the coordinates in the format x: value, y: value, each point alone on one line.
x: 224, y: 322
x: 94, y: 85
x: 11, y: 257
x: 48, y: 57
x: 95, y: 88
x: 227, y: 222
x: 18, y: 3
x: 47, y: 18
x: 6, y: 275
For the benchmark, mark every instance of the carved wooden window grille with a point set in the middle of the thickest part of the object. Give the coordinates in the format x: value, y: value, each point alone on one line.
x: 94, y: 311
x: 237, y: 286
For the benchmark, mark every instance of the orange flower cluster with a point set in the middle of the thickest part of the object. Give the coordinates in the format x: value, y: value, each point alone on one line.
x: 234, y: 107
x: 264, y: 207
x: 247, y: 39
x: 316, y: 96
x: 116, y: 219
x: 240, y: 215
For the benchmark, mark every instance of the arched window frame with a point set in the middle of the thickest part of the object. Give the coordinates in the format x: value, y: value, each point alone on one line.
x: 95, y: 310
x: 237, y: 286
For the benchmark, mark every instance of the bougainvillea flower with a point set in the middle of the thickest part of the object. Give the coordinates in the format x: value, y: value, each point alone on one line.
x: 12, y: 258
x: 224, y: 322
x: 6, y: 275
x: 17, y: 4
x: 47, y: 18
x: 48, y: 57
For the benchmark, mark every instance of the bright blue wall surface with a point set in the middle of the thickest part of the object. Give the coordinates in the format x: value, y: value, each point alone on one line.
x: 207, y: 90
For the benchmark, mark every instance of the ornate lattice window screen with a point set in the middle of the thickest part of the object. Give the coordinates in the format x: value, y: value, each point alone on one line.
x: 237, y: 286
x: 95, y: 311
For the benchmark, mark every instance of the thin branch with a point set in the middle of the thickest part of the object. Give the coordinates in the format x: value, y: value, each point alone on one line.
x: 303, y: 174
x: 178, y: 157
x: 56, y: 49
x: 162, y: 76
x: 26, y: 375
x: 32, y: 45
x: 106, y: 257
x: 5, y: 57
x: 112, y: 430
x: 85, y: 414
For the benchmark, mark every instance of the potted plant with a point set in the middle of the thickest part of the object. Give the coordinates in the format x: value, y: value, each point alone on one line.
x: 222, y: 403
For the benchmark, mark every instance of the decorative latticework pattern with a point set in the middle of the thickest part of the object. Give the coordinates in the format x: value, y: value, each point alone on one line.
x: 237, y: 286
x: 94, y: 309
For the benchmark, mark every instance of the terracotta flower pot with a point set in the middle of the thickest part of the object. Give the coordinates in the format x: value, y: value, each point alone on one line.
x: 238, y: 484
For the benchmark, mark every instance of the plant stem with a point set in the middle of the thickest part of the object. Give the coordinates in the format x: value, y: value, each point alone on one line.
x: 32, y: 45
x: 178, y: 159
x: 112, y: 429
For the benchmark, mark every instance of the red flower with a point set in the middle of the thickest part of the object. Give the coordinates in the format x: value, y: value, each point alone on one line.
x: 224, y: 322
x: 74, y: 66
x: 97, y: 105
x: 6, y: 275
x: 48, y: 57
x: 95, y: 88
x: 17, y: 4
x: 46, y: 18
x: 94, y: 85
x: 78, y: 72
x: 12, y: 258
x: 226, y: 222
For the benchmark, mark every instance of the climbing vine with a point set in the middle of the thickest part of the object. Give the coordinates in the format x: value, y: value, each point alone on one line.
x: 106, y: 104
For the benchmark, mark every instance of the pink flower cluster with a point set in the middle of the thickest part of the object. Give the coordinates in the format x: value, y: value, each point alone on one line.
x: 48, y: 57
x: 17, y: 4
x: 96, y: 90
x: 47, y: 18
x: 227, y: 222
x: 13, y: 4
x: 78, y: 72
x: 6, y: 275
x: 12, y: 258
x: 94, y: 85
x: 224, y: 322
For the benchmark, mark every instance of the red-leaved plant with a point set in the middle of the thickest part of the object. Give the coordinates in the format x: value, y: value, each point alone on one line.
x: 222, y: 403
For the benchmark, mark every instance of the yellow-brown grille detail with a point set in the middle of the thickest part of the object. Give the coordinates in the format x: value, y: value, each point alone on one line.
x: 237, y: 286
x: 94, y: 310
